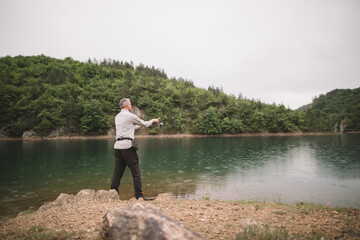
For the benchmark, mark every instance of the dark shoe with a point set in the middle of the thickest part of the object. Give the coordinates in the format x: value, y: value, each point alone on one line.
x: 147, y: 198
x: 144, y: 198
x: 139, y: 195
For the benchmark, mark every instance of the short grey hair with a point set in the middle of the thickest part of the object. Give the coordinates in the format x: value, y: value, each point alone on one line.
x: 123, y: 102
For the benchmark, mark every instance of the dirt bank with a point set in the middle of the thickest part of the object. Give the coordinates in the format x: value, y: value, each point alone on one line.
x: 77, y: 217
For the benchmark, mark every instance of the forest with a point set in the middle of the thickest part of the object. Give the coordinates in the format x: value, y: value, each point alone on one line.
x: 331, y: 110
x: 44, y: 94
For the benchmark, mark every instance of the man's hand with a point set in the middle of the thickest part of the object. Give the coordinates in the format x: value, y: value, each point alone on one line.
x: 155, y: 120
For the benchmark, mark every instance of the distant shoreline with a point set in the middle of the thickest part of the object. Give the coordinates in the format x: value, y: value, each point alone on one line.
x: 98, y: 137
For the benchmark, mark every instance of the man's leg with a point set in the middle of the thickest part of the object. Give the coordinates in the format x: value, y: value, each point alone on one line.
x: 119, y: 169
x: 133, y: 163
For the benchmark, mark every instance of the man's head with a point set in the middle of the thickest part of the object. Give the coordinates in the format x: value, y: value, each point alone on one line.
x: 125, y: 103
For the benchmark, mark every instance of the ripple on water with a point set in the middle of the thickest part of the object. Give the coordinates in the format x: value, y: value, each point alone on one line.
x: 8, y: 199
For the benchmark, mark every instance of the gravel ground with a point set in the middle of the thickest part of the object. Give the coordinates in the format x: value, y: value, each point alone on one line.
x: 78, y: 217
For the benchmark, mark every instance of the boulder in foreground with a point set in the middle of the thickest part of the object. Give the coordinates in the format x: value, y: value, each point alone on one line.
x: 143, y: 222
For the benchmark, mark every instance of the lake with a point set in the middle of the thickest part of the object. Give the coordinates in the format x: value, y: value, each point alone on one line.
x: 291, y: 169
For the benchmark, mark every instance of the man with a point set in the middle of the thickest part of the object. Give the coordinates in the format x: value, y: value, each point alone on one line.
x: 125, y: 155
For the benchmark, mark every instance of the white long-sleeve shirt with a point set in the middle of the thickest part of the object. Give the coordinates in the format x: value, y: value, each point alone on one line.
x: 126, y: 123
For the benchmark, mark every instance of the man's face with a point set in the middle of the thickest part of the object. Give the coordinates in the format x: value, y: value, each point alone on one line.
x: 129, y: 105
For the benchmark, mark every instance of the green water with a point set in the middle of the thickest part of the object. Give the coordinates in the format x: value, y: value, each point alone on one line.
x: 320, y: 169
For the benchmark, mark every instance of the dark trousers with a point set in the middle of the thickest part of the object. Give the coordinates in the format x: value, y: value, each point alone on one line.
x: 123, y: 158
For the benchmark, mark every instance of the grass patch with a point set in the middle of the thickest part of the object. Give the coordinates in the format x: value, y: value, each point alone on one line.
x: 250, y: 202
x: 36, y: 229
x: 29, y: 211
x: 278, y: 200
x: 352, y: 227
x: 307, y: 207
x: 11, y: 216
x: 310, y: 236
x: 38, y: 232
x: 5, y: 218
x: 228, y: 225
x: 207, y: 197
x: 243, y: 202
x: 258, y: 233
x: 301, y: 207
x: 311, y: 206
x: 279, y: 212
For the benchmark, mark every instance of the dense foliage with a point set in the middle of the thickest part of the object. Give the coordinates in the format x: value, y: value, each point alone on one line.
x: 44, y: 94
x: 338, y: 107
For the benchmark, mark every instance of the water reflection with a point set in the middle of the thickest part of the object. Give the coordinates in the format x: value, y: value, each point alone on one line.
x: 338, y: 156
x: 324, y: 169
x: 289, y: 169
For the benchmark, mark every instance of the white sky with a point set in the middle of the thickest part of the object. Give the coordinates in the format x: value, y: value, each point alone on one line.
x: 282, y: 51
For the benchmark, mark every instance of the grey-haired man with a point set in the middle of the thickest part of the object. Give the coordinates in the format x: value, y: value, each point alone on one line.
x: 125, y: 155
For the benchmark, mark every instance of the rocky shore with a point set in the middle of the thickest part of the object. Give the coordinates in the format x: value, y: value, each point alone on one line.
x: 79, y: 217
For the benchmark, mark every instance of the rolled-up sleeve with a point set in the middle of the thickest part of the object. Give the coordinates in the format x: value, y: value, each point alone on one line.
x: 139, y: 123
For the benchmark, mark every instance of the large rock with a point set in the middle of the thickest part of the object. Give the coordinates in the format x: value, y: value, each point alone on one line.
x: 57, y: 132
x: 138, y: 112
x: 84, y: 196
x: 3, y: 133
x: 63, y: 199
x: 87, y: 195
x: 143, y: 222
x: 111, y: 132
x: 343, y: 125
x: 28, y: 134
x: 107, y: 195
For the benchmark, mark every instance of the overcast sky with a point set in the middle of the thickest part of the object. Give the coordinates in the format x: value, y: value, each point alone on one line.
x: 282, y: 51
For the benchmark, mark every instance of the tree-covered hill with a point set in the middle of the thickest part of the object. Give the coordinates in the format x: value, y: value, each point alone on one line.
x: 337, y: 109
x: 44, y: 94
